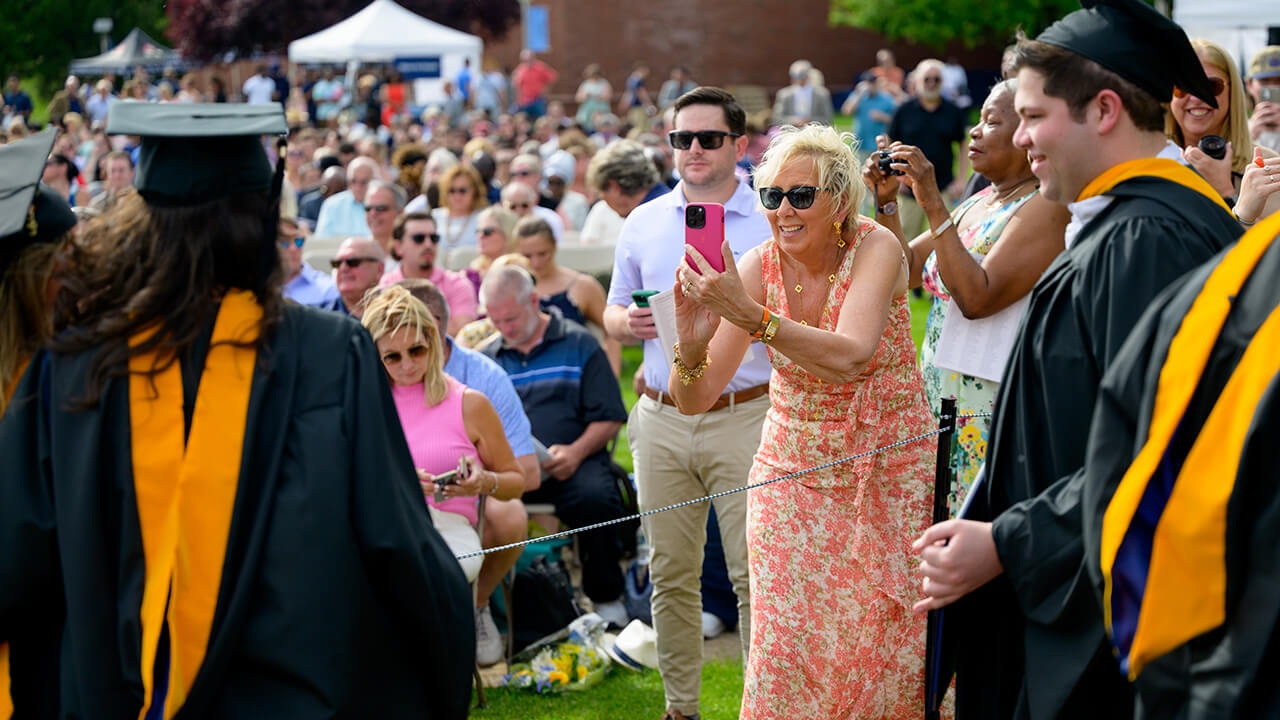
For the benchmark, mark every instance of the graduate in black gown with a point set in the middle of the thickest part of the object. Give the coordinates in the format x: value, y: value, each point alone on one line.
x: 212, y: 482
x: 35, y: 225
x: 1181, y: 510
x: 1030, y: 640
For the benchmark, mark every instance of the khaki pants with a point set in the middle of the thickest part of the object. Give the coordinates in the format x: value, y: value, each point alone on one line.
x: 677, y: 458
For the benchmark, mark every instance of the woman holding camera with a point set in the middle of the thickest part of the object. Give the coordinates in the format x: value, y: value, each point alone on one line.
x: 832, y: 575
x: 986, y: 255
x: 1216, y: 143
x: 449, y: 427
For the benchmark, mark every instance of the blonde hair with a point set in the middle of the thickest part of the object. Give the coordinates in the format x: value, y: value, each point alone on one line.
x: 1235, y: 127
x: 394, y: 308
x: 25, y: 315
x: 479, y: 198
x: 506, y: 220
x: 832, y: 155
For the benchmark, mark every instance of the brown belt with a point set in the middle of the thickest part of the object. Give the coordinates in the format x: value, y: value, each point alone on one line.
x: 721, y: 403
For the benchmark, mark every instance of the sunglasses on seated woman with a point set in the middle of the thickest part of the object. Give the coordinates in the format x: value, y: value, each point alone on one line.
x: 801, y: 197
x: 1216, y: 84
x: 708, y: 139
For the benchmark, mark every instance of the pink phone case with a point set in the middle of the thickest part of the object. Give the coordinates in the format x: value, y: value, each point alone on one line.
x: 708, y: 238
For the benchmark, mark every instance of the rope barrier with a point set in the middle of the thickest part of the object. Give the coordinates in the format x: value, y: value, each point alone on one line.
x: 686, y: 503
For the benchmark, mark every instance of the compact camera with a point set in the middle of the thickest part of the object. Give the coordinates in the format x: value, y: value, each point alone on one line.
x: 884, y: 161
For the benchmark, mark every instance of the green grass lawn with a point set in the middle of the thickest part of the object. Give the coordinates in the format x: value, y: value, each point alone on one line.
x: 622, y: 694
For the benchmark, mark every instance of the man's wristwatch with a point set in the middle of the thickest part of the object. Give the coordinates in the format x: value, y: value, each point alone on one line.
x: 889, y: 208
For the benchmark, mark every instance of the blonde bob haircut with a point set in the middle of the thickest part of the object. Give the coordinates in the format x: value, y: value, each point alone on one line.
x: 831, y: 153
x: 394, y: 308
x: 1235, y: 127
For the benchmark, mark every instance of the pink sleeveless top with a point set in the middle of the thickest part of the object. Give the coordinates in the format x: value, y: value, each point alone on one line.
x: 437, y: 437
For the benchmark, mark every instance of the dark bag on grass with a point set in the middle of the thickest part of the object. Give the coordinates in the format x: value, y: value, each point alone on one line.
x: 542, y: 602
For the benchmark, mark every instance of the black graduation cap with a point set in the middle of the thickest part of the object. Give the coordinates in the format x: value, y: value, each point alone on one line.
x: 30, y: 213
x: 1133, y: 40
x: 192, y: 154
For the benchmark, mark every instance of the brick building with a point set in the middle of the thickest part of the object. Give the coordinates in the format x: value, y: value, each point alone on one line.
x: 722, y: 42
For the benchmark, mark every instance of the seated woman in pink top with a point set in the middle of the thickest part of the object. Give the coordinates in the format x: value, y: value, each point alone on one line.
x: 447, y: 425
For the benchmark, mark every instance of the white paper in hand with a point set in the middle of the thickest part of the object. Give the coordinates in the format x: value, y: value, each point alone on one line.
x: 664, y: 318
x: 979, y: 347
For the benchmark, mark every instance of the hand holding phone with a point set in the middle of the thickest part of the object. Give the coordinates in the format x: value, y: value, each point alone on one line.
x: 641, y: 297
x: 704, y: 230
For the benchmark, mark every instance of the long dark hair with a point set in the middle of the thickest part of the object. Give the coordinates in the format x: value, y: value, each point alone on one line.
x: 139, y: 266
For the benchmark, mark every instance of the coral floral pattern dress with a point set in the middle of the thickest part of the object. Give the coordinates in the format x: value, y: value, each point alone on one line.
x: 833, y: 576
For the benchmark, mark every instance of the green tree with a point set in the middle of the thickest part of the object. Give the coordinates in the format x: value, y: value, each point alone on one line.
x: 42, y: 37
x: 936, y: 23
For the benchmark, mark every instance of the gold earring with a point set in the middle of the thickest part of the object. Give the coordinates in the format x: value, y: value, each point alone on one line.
x: 839, y: 239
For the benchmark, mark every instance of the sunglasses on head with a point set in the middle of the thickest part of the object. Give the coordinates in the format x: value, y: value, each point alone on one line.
x: 800, y: 197
x: 296, y: 242
x: 1216, y: 84
x: 376, y: 208
x: 419, y: 238
x: 351, y: 262
x: 708, y: 139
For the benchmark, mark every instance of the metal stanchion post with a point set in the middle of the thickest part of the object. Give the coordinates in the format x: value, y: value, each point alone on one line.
x: 933, y: 690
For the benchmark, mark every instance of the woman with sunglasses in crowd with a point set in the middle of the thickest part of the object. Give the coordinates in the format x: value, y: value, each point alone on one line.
x: 462, y: 197
x: 984, y: 256
x: 1246, y: 174
x: 494, y: 238
x: 832, y: 572
x: 449, y: 427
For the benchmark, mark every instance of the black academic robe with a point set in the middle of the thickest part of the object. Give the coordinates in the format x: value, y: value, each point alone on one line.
x: 1229, y: 672
x: 1031, y: 643
x: 338, y: 597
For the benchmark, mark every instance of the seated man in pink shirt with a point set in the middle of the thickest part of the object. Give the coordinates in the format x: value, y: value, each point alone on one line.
x: 416, y: 240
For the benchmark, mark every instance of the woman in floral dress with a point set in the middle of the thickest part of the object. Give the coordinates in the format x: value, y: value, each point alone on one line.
x: 832, y: 572
x: 998, y: 243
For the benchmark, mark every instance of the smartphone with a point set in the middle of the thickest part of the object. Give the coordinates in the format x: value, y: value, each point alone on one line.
x: 704, y: 230
x: 641, y: 297
x: 449, y: 478
x: 1269, y: 94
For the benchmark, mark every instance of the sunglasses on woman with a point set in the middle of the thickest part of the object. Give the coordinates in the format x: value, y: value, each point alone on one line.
x: 801, y: 197
x: 419, y: 238
x: 1216, y: 84
x: 708, y: 139
x: 296, y: 242
x: 486, y: 232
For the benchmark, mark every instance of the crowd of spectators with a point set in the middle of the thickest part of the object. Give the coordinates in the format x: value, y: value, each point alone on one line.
x: 500, y: 173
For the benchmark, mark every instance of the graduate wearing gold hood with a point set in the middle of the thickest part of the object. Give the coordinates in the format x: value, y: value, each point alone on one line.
x: 214, y: 482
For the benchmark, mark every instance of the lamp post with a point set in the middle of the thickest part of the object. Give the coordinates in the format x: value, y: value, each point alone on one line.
x: 103, y: 26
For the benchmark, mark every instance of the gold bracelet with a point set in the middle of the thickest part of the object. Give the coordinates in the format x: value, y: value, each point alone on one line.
x: 771, y: 329
x: 764, y: 324
x: 689, y: 376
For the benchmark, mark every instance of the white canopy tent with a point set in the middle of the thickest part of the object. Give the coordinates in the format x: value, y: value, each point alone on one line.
x: 385, y: 32
x: 1240, y: 26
